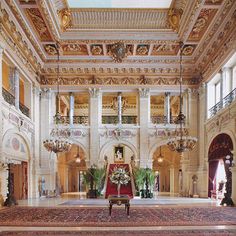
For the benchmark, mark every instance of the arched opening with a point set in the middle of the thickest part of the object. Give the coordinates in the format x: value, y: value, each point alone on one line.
x: 219, y: 172
x: 71, y: 166
x: 166, y: 166
x: 16, y: 154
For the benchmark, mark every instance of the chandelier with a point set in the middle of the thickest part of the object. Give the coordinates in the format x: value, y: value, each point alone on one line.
x: 160, y: 158
x: 182, y: 141
x: 58, y: 141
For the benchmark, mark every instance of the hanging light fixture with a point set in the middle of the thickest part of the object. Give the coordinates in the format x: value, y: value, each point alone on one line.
x: 58, y: 141
x: 77, y: 157
x: 182, y: 141
x: 160, y: 158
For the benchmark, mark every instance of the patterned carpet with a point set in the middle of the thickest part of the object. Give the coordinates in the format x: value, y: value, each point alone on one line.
x: 84, y: 216
x: 125, y: 233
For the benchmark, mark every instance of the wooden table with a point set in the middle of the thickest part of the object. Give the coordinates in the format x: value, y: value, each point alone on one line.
x: 122, y: 199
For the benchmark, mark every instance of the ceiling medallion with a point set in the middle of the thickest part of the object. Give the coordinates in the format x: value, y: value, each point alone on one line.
x: 118, y: 52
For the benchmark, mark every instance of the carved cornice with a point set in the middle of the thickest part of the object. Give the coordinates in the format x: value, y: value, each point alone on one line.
x: 118, y: 80
x: 29, y: 35
x: 17, y: 43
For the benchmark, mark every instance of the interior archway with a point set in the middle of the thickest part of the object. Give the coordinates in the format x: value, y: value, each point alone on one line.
x: 220, y: 148
x: 167, y: 170
x: 71, y: 166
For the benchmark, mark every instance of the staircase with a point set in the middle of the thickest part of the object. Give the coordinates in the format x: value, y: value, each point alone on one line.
x: 111, y: 189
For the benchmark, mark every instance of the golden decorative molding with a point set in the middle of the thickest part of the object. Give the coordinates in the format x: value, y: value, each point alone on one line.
x: 202, y: 23
x: 174, y: 16
x: 116, y: 80
x: 65, y: 18
x: 17, y: 43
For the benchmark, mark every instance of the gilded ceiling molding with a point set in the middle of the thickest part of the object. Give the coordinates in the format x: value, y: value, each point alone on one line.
x: 17, y: 43
x: 189, y: 18
x: 19, y: 18
x: 11, y: 5
x: 43, y: 7
x: 103, y: 18
x: 174, y: 16
x: 65, y: 18
x: 117, y: 80
x: 227, y: 34
x: 208, y: 39
x: 68, y: 71
x: 228, y: 46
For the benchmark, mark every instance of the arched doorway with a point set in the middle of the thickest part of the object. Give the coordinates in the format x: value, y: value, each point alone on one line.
x: 71, y: 166
x: 220, y: 148
x: 167, y: 170
x: 16, y: 154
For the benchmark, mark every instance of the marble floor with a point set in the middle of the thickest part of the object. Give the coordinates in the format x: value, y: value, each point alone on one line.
x: 159, y: 201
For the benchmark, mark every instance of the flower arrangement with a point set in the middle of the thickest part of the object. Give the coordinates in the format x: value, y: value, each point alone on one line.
x: 119, y: 176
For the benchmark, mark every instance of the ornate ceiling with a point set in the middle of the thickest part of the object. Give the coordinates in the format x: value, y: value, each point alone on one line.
x: 150, y: 39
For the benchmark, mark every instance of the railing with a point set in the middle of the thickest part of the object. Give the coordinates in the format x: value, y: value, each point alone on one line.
x: 8, y: 97
x: 76, y: 120
x: 226, y: 101
x: 24, y: 109
x: 163, y: 119
x: 114, y: 119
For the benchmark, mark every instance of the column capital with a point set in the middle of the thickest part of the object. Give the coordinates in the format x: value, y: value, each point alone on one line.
x: 167, y: 93
x: 94, y: 92
x: 144, y: 92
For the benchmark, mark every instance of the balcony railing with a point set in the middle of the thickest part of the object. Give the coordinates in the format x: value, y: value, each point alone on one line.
x: 114, y: 119
x: 226, y: 101
x: 8, y: 97
x: 24, y: 109
x: 83, y: 120
x: 163, y: 119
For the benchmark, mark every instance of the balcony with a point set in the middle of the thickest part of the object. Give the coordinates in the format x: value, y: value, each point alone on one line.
x: 226, y: 101
x: 82, y: 120
x: 10, y: 99
x: 163, y: 120
x: 114, y: 119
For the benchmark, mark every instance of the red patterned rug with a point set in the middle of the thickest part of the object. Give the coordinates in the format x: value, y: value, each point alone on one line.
x: 84, y: 216
x: 126, y: 233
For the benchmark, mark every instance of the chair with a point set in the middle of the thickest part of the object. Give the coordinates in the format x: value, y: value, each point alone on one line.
x: 219, y: 192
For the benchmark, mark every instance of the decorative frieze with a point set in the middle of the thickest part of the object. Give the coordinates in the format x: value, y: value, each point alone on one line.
x: 118, y: 133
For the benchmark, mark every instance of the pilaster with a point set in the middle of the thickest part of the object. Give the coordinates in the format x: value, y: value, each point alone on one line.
x: 95, y: 110
x: 167, y: 107
x: 17, y: 88
x: 144, y: 118
x: 72, y: 106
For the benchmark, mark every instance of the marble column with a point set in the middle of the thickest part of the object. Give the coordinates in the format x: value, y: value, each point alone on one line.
x: 17, y: 88
x: 167, y: 107
x: 144, y: 119
x: 1, y: 99
x: 119, y: 108
x: 72, y: 105
x: 233, y: 170
x: 95, y: 114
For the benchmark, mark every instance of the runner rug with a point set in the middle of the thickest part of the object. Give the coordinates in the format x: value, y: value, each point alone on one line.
x: 125, y: 233
x: 85, y: 216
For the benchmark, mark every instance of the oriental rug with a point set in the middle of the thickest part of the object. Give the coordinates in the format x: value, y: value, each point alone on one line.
x: 125, y: 233
x: 99, y: 217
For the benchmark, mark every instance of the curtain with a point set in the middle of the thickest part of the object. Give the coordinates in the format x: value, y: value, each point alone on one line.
x: 212, y: 176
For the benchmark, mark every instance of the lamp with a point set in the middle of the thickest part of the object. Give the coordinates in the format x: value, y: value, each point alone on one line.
x: 77, y: 157
x: 160, y: 158
x: 182, y: 141
x: 58, y: 141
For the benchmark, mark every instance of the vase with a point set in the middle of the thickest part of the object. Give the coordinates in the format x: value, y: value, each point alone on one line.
x: 118, y: 189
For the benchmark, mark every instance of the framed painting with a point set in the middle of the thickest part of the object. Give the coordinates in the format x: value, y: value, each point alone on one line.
x: 119, y: 154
